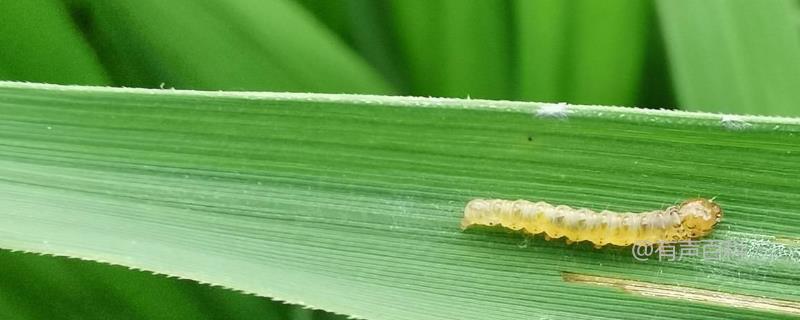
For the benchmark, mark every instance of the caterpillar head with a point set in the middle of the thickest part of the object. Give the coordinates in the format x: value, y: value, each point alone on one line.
x: 699, y: 216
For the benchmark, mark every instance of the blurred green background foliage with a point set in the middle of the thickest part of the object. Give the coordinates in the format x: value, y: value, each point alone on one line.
x: 732, y: 56
x: 736, y: 56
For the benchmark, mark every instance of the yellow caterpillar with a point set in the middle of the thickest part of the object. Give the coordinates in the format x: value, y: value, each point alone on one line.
x: 691, y: 219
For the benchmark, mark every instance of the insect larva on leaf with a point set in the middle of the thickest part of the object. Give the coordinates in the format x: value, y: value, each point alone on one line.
x: 691, y: 219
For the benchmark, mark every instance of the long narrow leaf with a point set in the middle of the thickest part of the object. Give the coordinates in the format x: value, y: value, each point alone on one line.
x: 734, y: 56
x: 352, y: 203
x: 216, y: 45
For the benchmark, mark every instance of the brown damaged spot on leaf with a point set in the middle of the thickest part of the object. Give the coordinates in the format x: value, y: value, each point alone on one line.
x: 689, y: 294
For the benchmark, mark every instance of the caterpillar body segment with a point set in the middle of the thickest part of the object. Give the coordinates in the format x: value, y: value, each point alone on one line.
x: 691, y: 219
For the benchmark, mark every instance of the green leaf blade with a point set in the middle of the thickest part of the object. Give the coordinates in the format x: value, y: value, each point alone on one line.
x: 734, y: 56
x: 352, y: 203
